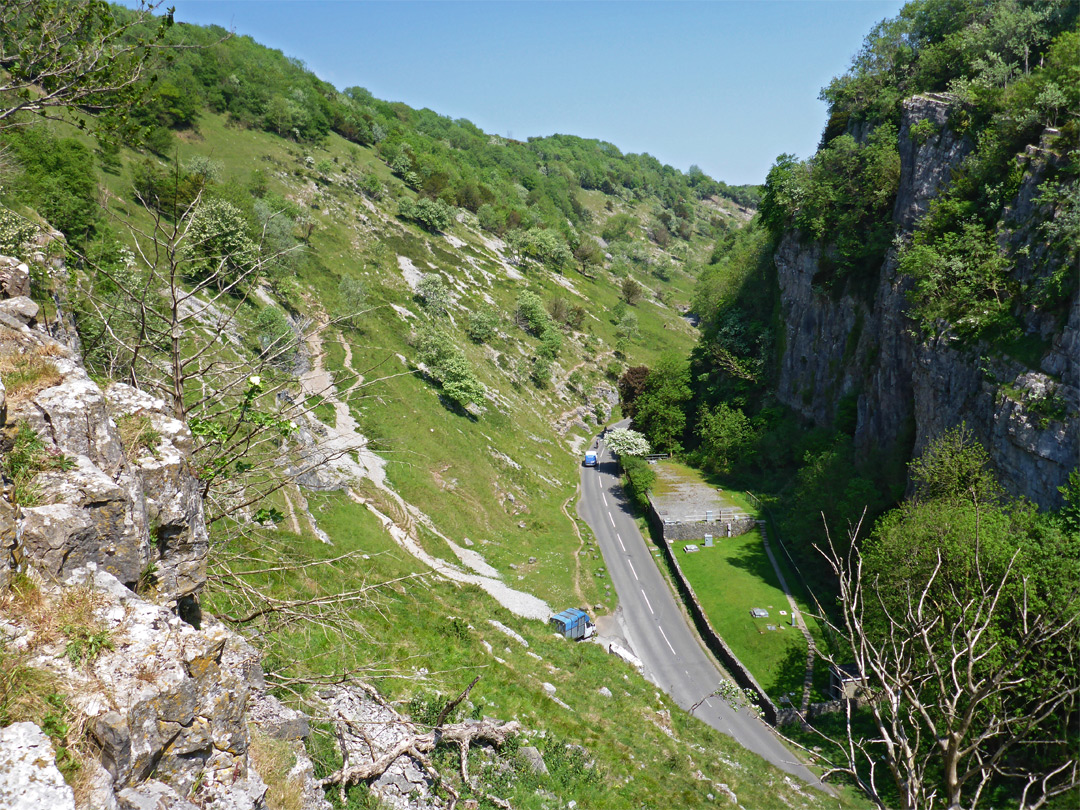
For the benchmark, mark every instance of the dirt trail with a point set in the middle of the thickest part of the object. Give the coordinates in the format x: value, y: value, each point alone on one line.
x: 344, y: 440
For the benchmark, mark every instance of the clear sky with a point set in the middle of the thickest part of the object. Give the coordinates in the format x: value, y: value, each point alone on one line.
x: 724, y: 85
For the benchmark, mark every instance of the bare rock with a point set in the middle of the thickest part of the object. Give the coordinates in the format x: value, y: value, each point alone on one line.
x: 275, y: 719
x: 14, y: 277
x: 171, y: 491
x: 21, y: 308
x: 29, y: 778
x: 534, y: 760
x: 153, y: 795
x: 86, y: 518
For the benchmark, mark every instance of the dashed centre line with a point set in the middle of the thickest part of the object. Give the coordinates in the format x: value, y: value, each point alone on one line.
x: 617, y: 537
x: 609, y: 517
x: 648, y: 603
x: 632, y: 571
x: 661, y: 629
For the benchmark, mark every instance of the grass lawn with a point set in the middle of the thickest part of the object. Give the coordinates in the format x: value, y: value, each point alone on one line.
x: 730, y: 579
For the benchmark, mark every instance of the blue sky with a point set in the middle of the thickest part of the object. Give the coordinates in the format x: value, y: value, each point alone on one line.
x: 726, y: 85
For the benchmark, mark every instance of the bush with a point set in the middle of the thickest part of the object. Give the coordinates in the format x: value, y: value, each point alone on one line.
x: 483, y: 324
x: 639, y: 478
x: 531, y: 313
x: 431, y: 215
x: 219, y: 248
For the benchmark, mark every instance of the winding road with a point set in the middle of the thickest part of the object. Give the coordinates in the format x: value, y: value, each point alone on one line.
x: 656, y: 628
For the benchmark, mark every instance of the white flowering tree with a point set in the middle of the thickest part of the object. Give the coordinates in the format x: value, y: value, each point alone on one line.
x: 626, y: 442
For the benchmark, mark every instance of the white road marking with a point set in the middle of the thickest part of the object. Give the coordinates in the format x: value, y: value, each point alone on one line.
x: 648, y: 603
x: 602, y: 495
x: 609, y: 517
x: 632, y: 571
x: 661, y: 629
x: 617, y: 537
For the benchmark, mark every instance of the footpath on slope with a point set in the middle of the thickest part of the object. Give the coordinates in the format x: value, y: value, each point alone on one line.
x: 347, y: 452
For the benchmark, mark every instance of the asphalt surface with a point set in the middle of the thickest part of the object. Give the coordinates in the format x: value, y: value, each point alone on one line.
x: 656, y: 628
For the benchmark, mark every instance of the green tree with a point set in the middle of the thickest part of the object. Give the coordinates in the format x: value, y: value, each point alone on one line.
x: 433, y: 293
x: 630, y: 291
x: 660, y: 408
x: 962, y: 617
x: 726, y: 436
x: 432, y: 215
x: 62, y: 55
x: 447, y: 365
x: 219, y: 246
x: 483, y: 324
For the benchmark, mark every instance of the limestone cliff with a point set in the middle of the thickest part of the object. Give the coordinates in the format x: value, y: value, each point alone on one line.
x: 103, y: 549
x: 911, y: 387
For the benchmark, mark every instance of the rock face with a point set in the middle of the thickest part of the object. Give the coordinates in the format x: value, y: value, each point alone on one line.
x: 29, y: 778
x: 121, y: 531
x: 909, y: 388
x: 101, y: 507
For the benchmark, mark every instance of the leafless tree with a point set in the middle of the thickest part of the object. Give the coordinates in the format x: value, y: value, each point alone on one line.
x: 953, y: 710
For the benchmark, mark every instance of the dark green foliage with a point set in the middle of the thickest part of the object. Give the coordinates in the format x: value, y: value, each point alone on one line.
x: 432, y: 215
x: 1070, y: 508
x: 659, y: 410
x: 483, y: 324
x: 735, y: 297
x: 727, y: 438
x: 58, y: 180
x: 957, y: 543
x: 640, y: 477
x: 842, y: 197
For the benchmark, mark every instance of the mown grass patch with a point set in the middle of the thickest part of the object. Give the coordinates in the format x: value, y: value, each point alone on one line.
x: 732, y: 578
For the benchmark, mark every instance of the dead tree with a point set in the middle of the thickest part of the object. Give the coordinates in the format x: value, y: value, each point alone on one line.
x: 417, y: 742
x: 952, y: 710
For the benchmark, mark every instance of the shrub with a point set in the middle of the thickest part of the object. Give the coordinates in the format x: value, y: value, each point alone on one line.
x: 433, y: 294
x: 431, y: 215
x: 219, y: 248
x: 483, y: 324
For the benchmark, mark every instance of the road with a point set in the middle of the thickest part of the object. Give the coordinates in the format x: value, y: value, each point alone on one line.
x: 657, y: 629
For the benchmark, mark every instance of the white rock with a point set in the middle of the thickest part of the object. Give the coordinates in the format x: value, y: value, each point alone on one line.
x: 29, y: 778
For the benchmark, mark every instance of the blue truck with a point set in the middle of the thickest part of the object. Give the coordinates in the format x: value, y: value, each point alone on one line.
x: 573, y: 623
x: 590, y: 458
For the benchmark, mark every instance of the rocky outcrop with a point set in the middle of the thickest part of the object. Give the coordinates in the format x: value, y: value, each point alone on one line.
x: 908, y: 388
x: 102, y: 518
x: 99, y: 506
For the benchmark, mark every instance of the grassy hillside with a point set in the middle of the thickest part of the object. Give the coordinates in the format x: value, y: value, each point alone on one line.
x: 350, y: 280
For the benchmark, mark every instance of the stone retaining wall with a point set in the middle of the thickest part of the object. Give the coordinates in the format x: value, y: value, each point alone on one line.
x: 697, y: 529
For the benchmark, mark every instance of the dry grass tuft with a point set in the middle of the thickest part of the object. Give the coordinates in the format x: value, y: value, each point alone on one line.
x: 25, y: 375
x: 137, y: 434
x: 273, y: 759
